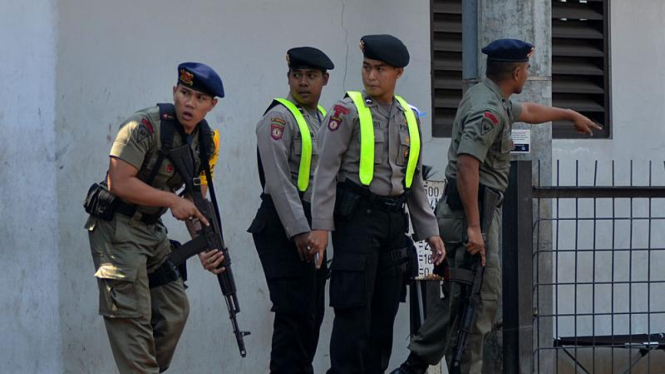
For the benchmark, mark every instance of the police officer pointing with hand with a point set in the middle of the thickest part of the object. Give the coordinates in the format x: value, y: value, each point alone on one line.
x: 369, y: 169
x: 288, y: 156
x: 479, y: 159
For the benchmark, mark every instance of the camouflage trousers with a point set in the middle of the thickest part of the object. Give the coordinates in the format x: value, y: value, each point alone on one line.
x: 437, y: 336
x: 143, y: 324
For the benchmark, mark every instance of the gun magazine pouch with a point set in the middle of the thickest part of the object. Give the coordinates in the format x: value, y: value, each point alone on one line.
x: 99, y: 202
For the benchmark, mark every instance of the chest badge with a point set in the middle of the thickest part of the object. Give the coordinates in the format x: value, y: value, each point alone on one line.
x: 169, y: 168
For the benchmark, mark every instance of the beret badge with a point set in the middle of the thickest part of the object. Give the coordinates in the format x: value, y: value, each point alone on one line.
x: 186, y: 77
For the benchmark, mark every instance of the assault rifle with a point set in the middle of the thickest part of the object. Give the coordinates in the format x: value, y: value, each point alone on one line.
x: 208, y: 237
x: 472, y: 281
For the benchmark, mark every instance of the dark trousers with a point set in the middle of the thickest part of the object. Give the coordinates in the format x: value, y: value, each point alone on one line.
x: 297, y: 291
x: 365, y: 289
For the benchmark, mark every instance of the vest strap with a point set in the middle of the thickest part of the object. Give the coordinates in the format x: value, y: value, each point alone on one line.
x: 366, y: 172
x: 414, y: 139
x: 305, y: 167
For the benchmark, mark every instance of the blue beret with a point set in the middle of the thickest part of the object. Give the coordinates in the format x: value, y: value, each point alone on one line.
x: 302, y: 57
x: 200, y: 77
x: 509, y: 50
x: 386, y: 48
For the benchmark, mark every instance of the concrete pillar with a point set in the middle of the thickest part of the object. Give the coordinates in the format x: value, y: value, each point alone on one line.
x: 29, y: 327
x: 529, y: 20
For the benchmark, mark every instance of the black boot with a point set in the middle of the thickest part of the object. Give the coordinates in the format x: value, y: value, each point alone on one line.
x: 412, y: 365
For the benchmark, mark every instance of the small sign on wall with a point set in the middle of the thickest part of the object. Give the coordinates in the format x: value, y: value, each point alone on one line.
x: 434, y: 191
x: 521, y: 141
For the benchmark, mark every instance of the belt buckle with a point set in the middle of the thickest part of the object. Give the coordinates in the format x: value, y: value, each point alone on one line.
x: 196, y: 181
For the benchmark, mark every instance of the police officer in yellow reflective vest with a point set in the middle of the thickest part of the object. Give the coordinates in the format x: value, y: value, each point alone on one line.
x: 369, y: 169
x: 141, y: 293
x: 479, y: 158
x: 288, y: 156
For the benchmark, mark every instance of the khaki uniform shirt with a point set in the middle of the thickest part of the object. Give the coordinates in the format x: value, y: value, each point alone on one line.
x: 280, y: 146
x: 339, y: 160
x: 482, y: 129
x: 138, y: 143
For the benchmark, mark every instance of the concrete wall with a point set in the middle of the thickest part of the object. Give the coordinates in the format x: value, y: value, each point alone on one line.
x: 117, y: 57
x: 30, y: 258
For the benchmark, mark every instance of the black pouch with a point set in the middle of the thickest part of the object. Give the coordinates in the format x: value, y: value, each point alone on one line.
x: 453, y: 198
x: 99, y: 202
x: 346, y: 203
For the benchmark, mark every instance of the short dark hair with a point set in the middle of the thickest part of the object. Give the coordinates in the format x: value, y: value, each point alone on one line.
x: 500, y: 71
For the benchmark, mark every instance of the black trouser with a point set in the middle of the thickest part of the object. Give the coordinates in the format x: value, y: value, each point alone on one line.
x: 297, y: 291
x: 365, y: 288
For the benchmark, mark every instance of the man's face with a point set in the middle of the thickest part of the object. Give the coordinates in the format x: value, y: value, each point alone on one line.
x: 380, y: 78
x: 191, y: 106
x: 306, y: 85
x: 521, y: 75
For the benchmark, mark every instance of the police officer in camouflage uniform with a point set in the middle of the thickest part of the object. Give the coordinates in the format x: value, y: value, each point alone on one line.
x: 479, y: 158
x: 360, y: 190
x: 288, y: 156
x: 141, y: 294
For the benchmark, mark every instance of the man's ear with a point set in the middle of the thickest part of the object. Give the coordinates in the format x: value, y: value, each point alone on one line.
x: 400, y: 71
x: 326, y: 76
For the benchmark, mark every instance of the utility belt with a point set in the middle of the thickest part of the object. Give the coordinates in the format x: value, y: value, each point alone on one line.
x: 351, y: 195
x: 452, y: 197
x: 100, y: 203
x: 130, y: 211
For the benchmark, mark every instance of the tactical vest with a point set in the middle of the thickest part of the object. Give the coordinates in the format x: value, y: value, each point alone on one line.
x: 168, y: 127
x: 366, y: 172
x: 305, y: 167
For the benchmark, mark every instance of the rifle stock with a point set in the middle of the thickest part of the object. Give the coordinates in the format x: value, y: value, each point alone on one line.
x: 208, y: 238
x: 471, y: 292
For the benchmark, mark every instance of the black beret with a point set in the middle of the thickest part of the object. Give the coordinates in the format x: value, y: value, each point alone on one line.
x: 386, y: 48
x: 302, y: 57
x: 509, y: 50
x: 200, y: 77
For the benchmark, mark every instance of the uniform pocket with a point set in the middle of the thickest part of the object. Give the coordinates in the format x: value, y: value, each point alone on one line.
x: 452, y: 223
x: 348, y: 287
x: 404, y: 148
x: 380, y: 156
x: 117, y: 292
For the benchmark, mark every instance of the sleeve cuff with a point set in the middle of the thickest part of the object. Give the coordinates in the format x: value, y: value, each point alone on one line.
x: 323, y: 224
x: 468, y: 148
x: 127, y: 154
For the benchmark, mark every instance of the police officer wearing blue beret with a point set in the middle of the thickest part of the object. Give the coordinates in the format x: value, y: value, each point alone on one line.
x: 141, y: 293
x: 479, y: 159
x: 288, y: 156
x: 369, y: 169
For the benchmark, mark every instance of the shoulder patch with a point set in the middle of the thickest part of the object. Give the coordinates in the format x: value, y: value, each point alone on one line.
x: 336, y: 117
x: 492, y: 117
x: 276, y: 130
x: 142, y: 133
x: 277, y: 120
x: 487, y: 126
x: 148, y: 125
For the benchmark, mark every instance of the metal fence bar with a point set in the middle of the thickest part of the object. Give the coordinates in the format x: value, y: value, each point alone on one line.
x: 623, y: 253
x: 518, y: 272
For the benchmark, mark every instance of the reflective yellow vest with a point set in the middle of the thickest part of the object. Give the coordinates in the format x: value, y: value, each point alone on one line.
x: 306, y: 154
x: 366, y: 172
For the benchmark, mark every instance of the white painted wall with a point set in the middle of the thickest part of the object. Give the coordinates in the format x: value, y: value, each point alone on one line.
x: 30, y: 329
x: 117, y: 57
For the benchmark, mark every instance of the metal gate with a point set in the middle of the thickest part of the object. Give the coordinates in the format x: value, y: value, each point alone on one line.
x: 584, y: 279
